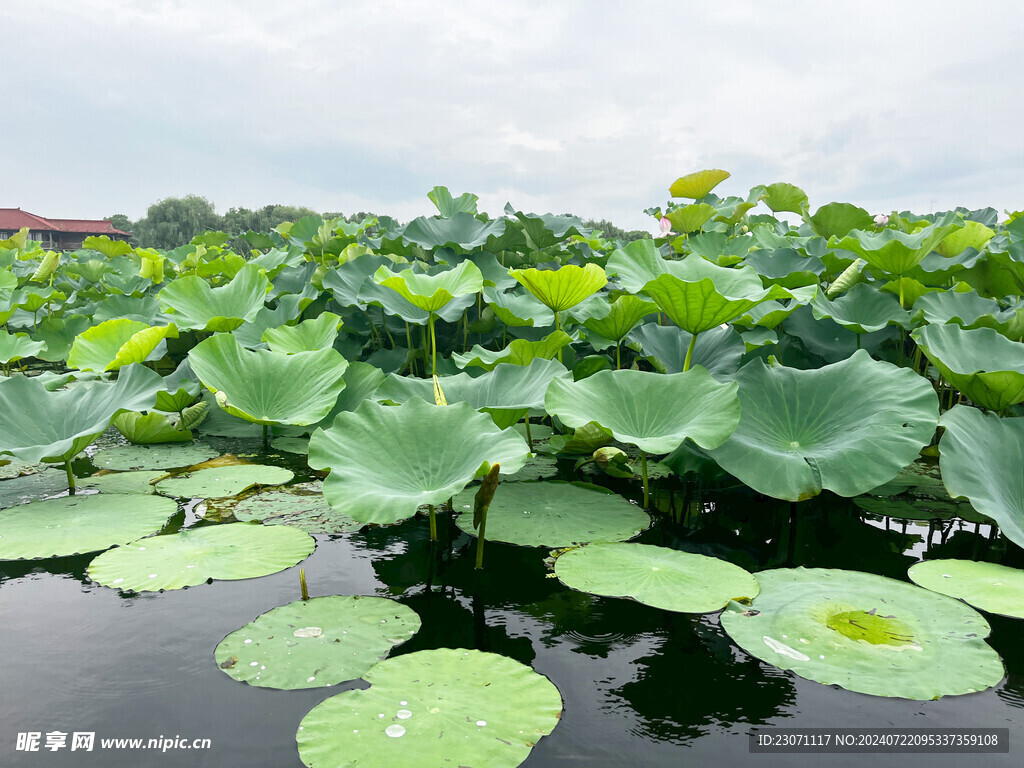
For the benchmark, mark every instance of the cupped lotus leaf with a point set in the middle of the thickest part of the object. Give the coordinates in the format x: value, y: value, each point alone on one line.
x: 767, y: 314
x: 149, y: 428
x: 518, y: 309
x: 652, y: 411
x: 583, y: 440
x: 518, y: 352
x: 449, y: 706
x: 983, y: 364
x: 865, y: 633
x: 33, y: 298
x: 195, y: 305
x: 563, y: 288
x: 114, y: 344
x: 387, y: 461
x: 846, y: 427
x: 394, y: 303
x: 15, y: 346
x: 554, y: 514
x: 968, y: 310
x: 73, y: 525
x: 59, y: 333
x: 137, y: 482
x: 656, y: 576
x: 346, y: 280
x: 973, y: 234
x: 690, y: 218
x: 126, y: 457
x: 219, y: 482
x: 698, y: 184
x: 755, y: 338
x: 185, y: 559
x: 636, y: 264
x: 892, y: 251
x: 862, y: 309
x: 361, y: 383
x: 432, y: 292
x: 181, y: 387
x: 307, y: 336
x: 782, y: 196
x: 785, y: 266
x: 719, y: 350
x: 460, y: 230
x: 54, y: 426
x: 448, y: 206
x: 624, y: 313
x: 831, y: 341
x: 837, y: 219
x: 268, y: 387
x: 300, y: 506
x: 991, y: 587
x: 316, y: 643
x: 982, y: 458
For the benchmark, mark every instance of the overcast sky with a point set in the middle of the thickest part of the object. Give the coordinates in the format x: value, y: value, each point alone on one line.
x: 590, y: 107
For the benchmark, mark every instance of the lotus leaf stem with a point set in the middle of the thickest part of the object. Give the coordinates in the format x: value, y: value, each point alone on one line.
x: 558, y: 327
x: 689, y: 352
x: 266, y: 431
x: 618, y: 355
x: 433, y: 347
x: 529, y: 438
x: 433, y: 523
x: 408, y: 338
x: 71, y: 477
x: 643, y: 474
x: 302, y: 584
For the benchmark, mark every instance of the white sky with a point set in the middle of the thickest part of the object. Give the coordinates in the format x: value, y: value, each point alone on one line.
x: 591, y: 107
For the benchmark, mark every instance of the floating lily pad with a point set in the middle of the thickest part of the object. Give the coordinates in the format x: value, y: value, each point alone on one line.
x: 21, y: 490
x: 19, y: 468
x: 299, y: 445
x: 908, y: 509
x: 230, y: 551
x: 865, y: 633
x: 447, y: 706
x: 918, y: 479
x: 153, y: 456
x: 657, y: 576
x: 140, y: 481
x: 72, y: 525
x: 991, y: 587
x: 537, y: 468
x: 554, y: 514
x: 316, y: 643
x: 218, y: 482
x: 300, y: 506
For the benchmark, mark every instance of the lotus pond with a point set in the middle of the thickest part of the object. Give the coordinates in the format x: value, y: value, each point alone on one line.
x: 500, y: 491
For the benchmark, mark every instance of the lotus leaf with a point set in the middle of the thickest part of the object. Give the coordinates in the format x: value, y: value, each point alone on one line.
x: 563, y: 288
x: 230, y: 551
x: 785, y: 267
x: 973, y: 234
x: 361, y: 383
x: 846, y: 427
x: 518, y: 309
x: 583, y: 440
x: 865, y: 633
x: 440, y: 707
x: 73, y: 525
x: 219, y: 482
x: 719, y: 350
x: 656, y: 576
x: 837, y: 219
x: 461, y: 230
x: 862, y: 309
x: 307, y: 336
x: 114, y: 344
x: 150, y: 428
x: 300, y: 506
x: 911, y: 509
x: 386, y: 461
x: 636, y: 264
x: 18, y: 468
x: 137, y: 482
x: 32, y: 487
x: 15, y: 346
x: 431, y: 293
x: 194, y: 304
x: 316, y: 643
x: 690, y: 218
x: 267, y: 387
x: 181, y: 388
x: 969, y: 310
x: 781, y: 196
x: 892, y: 251
x: 624, y: 313
x: 298, y: 445
x: 153, y: 456
x: 992, y: 588
x: 554, y: 514
x: 983, y: 364
x: 59, y: 333
x: 698, y: 184
x: 831, y: 341
x: 537, y: 468
x: 982, y: 458
x: 518, y: 352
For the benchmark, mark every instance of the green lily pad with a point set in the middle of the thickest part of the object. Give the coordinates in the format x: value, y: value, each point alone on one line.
x: 218, y: 482
x: 195, y: 304
x: 657, y: 576
x: 316, y: 643
x: 125, y: 457
x: 137, y: 482
x: 431, y: 293
x: 991, y: 587
x: 149, y: 428
x: 537, y: 468
x: 911, y: 509
x: 116, y: 343
x: 563, y: 288
x: 698, y: 184
x: 300, y: 506
x: 73, y: 525
x: 18, y: 468
x: 230, y: 551
x: 554, y: 514
x: 865, y: 633
x: 298, y: 445
x: 308, y: 336
x: 39, y: 485
x: 15, y: 346
x: 448, y: 706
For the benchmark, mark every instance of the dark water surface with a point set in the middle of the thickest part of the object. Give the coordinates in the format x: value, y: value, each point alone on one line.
x: 641, y: 686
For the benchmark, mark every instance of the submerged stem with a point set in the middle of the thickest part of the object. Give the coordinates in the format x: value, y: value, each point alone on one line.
x: 480, y: 539
x: 643, y: 474
x: 302, y: 584
x: 689, y: 352
x: 71, y: 478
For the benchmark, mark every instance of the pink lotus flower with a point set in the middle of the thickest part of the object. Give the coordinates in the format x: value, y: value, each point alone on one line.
x: 665, y: 226
x: 881, y: 220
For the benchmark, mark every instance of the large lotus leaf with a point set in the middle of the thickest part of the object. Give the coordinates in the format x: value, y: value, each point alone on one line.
x: 636, y: 264
x: 698, y: 184
x: 690, y: 218
x: 54, y: 426
x: 785, y: 267
x: 231, y: 551
x: 652, y: 411
x: 831, y: 341
x: 891, y: 250
x: 346, y: 281
x: 307, y: 336
x: 865, y: 633
x: 194, y: 304
x: 387, y: 461
x: 991, y: 587
x: 973, y: 234
x: 698, y: 295
x: 267, y: 387
x: 562, y: 288
x: 782, y: 196
x: 657, y: 576
x: 301, y: 506
x: 461, y: 230
x: 441, y: 707
x: 862, y: 309
x: 983, y: 364
x: 554, y: 515
x: 153, y: 456
x: 316, y: 643
x: 767, y: 314
x: 394, y: 303
x: 846, y: 427
x: 518, y: 352
x: 361, y: 382
x: 15, y: 346
x: 114, y: 344
x: 665, y: 346
x: 180, y: 388
x: 432, y: 292
x: 448, y: 206
x: 219, y: 482
x: 969, y: 310
x: 837, y: 219
x: 59, y: 333
x: 72, y: 525
x: 982, y: 458
x: 624, y: 313
x: 518, y: 309
x: 149, y: 428
x: 543, y: 230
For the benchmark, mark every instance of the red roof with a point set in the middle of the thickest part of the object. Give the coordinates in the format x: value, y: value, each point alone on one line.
x: 15, y: 218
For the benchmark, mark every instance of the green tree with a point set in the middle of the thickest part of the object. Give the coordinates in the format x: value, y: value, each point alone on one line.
x: 175, y: 221
x: 120, y: 221
x: 611, y: 232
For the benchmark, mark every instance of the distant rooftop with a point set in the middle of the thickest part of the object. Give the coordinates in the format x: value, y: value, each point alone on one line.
x: 13, y: 219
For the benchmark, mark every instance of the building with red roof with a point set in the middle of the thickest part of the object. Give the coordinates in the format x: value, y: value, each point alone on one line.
x: 56, y: 234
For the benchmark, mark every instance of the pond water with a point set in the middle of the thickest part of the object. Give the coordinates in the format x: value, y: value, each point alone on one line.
x: 641, y: 686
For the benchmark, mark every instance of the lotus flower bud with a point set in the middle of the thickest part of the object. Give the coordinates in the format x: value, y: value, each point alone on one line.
x: 665, y: 225
x: 221, y: 397
x: 881, y: 220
